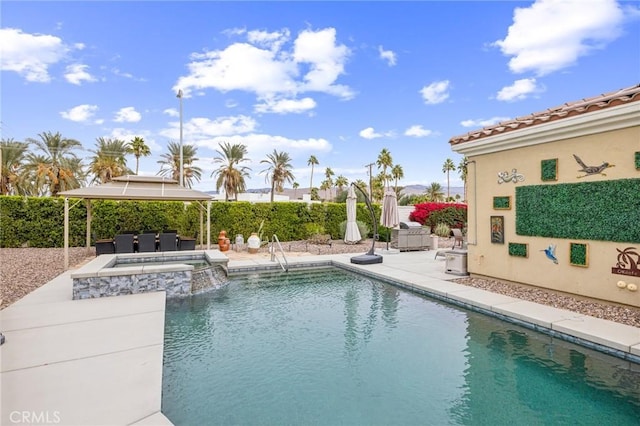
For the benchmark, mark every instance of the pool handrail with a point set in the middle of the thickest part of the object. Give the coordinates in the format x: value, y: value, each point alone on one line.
x: 274, y: 256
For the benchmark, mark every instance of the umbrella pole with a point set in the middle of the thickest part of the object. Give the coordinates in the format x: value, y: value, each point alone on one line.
x: 370, y: 257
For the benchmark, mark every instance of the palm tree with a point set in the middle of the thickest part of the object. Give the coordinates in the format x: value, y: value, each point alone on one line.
x: 278, y: 172
x: 109, y: 160
x: 11, y: 172
x: 311, y: 162
x: 397, y: 173
x: 328, y: 182
x: 384, y: 160
x: 434, y: 192
x: 326, y: 185
x: 56, y: 168
x: 138, y: 148
x: 295, y: 185
x: 341, y: 182
x: 170, y: 163
x: 446, y: 168
x: 462, y: 170
x: 231, y: 174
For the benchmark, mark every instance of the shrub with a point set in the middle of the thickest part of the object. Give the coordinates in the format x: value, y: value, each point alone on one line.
x: 430, y: 214
x: 442, y: 230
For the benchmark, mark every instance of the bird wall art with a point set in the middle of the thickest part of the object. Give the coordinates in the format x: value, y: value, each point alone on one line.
x: 592, y: 170
x: 550, y: 252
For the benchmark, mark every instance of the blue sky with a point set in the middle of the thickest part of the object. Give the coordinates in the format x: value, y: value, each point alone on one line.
x: 338, y: 80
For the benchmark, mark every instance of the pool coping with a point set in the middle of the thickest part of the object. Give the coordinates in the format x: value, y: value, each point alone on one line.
x: 99, y: 361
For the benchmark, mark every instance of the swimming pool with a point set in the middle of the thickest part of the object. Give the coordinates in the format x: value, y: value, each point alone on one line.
x: 333, y: 347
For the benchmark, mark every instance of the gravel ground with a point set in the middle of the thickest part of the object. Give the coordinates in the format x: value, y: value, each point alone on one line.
x: 23, y: 270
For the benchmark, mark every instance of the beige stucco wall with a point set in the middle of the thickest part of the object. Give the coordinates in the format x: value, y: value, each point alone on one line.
x: 491, y: 259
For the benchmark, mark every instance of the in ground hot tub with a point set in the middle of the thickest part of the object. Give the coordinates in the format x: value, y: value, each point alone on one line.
x: 176, y: 273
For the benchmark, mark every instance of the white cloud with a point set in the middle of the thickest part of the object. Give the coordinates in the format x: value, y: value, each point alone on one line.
x: 519, y: 90
x: 551, y: 35
x: 77, y: 73
x: 30, y: 55
x: 200, y: 128
x: 417, y: 131
x: 387, y: 55
x: 285, y: 106
x: 80, y: 113
x: 171, y: 112
x: 127, y: 115
x: 370, y: 133
x: 313, y: 62
x: 436, y: 92
x: 483, y: 122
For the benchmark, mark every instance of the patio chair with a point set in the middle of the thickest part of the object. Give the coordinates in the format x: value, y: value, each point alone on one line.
x: 124, y: 243
x: 458, y: 237
x: 168, y: 241
x: 105, y: 246
x: 187, y: 243
x: 147, y: 242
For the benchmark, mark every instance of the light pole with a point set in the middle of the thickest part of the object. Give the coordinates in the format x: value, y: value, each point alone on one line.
x: 181, y: 160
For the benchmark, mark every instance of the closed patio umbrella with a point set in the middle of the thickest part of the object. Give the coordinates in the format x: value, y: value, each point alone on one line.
x: 389, y: 217
x: 352, y: 233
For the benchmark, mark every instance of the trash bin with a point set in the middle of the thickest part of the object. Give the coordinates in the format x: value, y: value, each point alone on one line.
x: 456, y: 262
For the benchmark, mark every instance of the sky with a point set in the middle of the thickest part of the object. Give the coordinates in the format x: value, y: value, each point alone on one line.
x: 337, y: 80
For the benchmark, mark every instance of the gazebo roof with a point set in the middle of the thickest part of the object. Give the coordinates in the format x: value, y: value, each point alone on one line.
x: 132, y: 187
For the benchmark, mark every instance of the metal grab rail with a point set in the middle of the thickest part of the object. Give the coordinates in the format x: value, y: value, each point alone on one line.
x: 274, y: 256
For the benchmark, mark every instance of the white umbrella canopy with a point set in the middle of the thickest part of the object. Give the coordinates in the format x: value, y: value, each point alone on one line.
x: 389, y: 217
x: 352, y: 233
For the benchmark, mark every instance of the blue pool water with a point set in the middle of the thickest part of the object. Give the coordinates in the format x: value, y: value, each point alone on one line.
x: 334, y: 348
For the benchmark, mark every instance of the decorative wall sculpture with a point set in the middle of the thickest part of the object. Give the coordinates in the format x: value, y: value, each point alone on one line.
x: 550, y: 252
x: 592, y: 170
x: 514, y: 176
x: 628, y: 262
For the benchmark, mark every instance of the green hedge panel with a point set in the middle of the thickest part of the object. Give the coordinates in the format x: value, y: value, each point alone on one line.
x: 603, y: 211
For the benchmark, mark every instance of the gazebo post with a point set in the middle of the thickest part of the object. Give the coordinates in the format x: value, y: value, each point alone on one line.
x: 208, y: 225
x: 201, y: 210
x: 66, y: 233
x: 88, y: 201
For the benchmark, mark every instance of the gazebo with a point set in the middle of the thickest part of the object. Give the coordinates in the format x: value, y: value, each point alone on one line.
x: 132, y: 187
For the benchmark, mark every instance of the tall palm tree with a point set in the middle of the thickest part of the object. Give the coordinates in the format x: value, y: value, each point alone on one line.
x: 328, y: 182
x: 170, y: 163
x: 397, y: 173
x: 11, y: 172
x: 138, y: 148
x: 341, y: 182
x: 278, y: 171
x: 326, y: 186
x: 462, y: 171
x: 109, y: 160
x: 384, y: 161
x: 434, y: 192
x: 53, y: 166
x: 447, y: 167
x: 295, y: 186
x: 313, y: 161
x: 231, y: 174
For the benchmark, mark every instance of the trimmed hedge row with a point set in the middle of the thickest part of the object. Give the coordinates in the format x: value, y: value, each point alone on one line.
x: 39, y: 221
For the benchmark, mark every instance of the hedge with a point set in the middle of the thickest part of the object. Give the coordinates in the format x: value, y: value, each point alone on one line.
x: 39, y: 221
x: 603, y: 210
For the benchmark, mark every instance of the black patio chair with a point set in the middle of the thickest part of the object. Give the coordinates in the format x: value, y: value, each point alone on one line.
x: 147, y: 242
x: 105, y: 246
x: 124, y: 243
x: 187, y: 243
x: 168, y: 241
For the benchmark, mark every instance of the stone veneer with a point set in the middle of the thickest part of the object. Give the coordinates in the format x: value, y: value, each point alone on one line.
x: 99, y: 278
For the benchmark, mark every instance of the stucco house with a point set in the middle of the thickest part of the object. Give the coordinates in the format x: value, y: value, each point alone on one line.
x: 554, y: 198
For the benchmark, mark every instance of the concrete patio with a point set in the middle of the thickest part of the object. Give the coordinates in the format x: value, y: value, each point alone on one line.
x: 99, y: 361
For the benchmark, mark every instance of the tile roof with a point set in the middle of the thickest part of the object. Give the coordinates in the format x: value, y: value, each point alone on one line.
x: 569, y: 109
